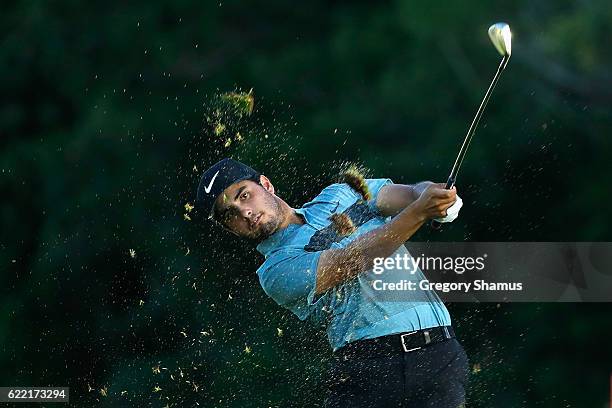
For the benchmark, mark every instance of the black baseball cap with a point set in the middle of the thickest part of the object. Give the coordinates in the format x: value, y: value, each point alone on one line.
x: 217, y: 178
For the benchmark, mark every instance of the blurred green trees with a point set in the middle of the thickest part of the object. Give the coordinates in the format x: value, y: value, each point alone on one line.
x: 103, y: 138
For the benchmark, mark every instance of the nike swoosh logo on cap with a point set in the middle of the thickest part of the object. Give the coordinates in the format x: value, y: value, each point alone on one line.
x: 212, y: 180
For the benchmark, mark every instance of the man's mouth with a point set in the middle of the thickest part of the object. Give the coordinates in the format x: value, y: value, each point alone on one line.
x: 255, y: 221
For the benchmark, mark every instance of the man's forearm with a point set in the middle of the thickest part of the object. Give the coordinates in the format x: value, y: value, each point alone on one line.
x: 338, y: 265
x: 385, y: 240
x: 393, y: 198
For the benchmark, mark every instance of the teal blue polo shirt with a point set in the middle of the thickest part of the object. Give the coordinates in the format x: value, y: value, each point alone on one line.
x: 356, y: 309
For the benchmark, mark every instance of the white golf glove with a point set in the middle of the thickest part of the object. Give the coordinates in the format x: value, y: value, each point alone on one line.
x: 452, y: 212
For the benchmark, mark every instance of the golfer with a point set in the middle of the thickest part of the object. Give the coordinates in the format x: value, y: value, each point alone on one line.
x: 390, y: 348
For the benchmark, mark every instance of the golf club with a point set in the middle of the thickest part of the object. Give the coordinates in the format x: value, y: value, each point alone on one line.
x: 501, y: 37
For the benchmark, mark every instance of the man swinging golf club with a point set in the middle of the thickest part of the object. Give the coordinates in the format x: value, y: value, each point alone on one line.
x: 390, y: 347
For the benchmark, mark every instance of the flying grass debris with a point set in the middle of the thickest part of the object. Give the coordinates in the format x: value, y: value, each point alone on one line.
x: 241, y: 102
x: 219, y: 128
x: 188, y: 209
x: 225, y: 114
x: 354, y: 177
x: 343, y: 224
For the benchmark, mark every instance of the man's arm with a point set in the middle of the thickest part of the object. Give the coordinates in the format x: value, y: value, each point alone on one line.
x: 338, y: 265
x: 393, y: 198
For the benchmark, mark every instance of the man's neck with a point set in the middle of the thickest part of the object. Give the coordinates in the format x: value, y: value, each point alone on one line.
x: 291, y: 217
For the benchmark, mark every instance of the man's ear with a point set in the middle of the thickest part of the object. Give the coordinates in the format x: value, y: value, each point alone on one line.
x: 266, y: 184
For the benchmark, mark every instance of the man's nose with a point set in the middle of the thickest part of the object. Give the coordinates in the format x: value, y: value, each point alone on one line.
x: 246, y: 212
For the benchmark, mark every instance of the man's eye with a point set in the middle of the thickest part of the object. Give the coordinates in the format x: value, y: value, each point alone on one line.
x: 244, y: 195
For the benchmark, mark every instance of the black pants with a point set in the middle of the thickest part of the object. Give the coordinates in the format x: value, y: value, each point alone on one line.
x: 435, y: 376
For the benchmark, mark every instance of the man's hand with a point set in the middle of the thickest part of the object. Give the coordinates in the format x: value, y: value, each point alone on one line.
x: 452, y: 212
x: 435, y: 200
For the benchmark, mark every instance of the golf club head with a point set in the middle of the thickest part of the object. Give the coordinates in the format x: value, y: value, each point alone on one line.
x: 501, y: 37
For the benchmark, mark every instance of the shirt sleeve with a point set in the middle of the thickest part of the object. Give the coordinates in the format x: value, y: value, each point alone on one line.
x: 374, y: 185
x: 289, y: 278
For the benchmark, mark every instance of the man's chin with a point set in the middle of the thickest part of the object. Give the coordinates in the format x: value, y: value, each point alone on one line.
x: 263, y: 232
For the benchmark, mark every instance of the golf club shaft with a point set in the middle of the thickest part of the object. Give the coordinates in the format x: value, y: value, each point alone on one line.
x: 450, y: 182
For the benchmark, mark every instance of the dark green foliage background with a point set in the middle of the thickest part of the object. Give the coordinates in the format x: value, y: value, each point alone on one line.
x: 102, y: 122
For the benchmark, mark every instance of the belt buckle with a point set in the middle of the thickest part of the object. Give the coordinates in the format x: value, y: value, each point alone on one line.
x: 402, y: 340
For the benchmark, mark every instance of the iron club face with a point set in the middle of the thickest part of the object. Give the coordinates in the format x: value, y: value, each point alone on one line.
x: 501, y: 37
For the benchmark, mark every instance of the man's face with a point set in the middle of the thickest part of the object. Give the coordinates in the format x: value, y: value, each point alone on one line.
x: 250, y: 210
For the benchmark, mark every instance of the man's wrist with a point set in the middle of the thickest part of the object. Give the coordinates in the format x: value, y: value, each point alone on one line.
x: 416, y: 212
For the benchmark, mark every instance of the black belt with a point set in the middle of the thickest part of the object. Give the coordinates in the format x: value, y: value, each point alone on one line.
x: 401, y: 342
